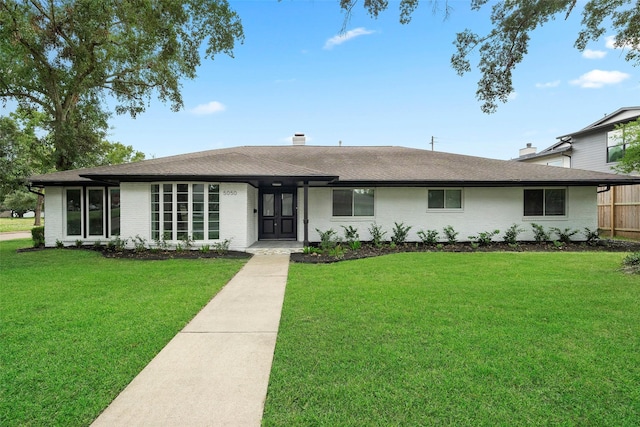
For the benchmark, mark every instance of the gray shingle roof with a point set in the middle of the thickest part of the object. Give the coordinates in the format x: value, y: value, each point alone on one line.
x: 339, y: 165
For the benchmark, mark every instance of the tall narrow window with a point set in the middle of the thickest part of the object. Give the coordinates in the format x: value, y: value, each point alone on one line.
x: 155, y: 212
x: 182, y: 211
x: 214, y: 211
x: 96, y: 211
x: 74, y: 212
x: 114, y: 211
x: 167, y: 211
x: 198, y: 211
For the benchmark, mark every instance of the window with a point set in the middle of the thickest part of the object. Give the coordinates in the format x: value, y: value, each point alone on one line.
x: 545, y: 202
x: 616, y: 145
x: 92, y: 212
x: 353, y: 202
x: 444, y: 199
x: 185, y: 210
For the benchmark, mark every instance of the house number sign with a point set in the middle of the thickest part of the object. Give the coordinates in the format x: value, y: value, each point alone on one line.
x: 229, y: 193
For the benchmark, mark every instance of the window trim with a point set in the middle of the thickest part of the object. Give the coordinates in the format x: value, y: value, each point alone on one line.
x: 207, y: 221
x: 544, y: 216
x: 444, y: 208
x: 353, y: 216
x: 620, y: 135
x: 85, y: 212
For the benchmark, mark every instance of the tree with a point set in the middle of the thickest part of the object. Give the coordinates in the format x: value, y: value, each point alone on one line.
x: 629, y: 138
x: 21, y: 202
x: 506, y: 45
x: 63, y: 57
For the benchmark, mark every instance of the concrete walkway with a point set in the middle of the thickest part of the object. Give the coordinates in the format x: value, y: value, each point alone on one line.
x: 12, y: 235
x: 215, y: 372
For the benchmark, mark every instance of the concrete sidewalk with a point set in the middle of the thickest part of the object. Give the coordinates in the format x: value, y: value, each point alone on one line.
x: 215, y: 372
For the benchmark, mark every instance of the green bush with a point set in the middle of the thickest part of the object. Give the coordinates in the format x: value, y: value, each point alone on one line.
x: 484, y: 238
x: 37, y: 235
x: 451, y: 234
x: 429, y: 237
x: 539, y: 233
x: 631, y: 263
x: 564, y: 235
x: 377, y: 235
x: 511, y: 235
x: 592, y: 236
x: 328, y: 239
x: 400, y: 233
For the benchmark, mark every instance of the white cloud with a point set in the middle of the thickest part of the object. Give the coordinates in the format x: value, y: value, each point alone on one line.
x: 594, y: 54
x: 212, y: 107
x: 547, y: 85
x: 341, y: 38
x: 599, y: 78
x: 512, y: 96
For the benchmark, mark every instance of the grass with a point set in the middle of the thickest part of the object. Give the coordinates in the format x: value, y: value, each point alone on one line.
x: 76, y: 328
x: 16, y: 224
x: 459, y: 339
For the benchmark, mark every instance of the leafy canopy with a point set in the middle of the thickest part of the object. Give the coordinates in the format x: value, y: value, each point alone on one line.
x: 513, y: 21
x: 63, y: 57
x: 630, y: 138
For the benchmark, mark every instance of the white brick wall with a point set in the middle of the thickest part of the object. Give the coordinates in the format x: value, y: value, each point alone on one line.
x: 54, y: 211
x: 233, y: 214
x: 485, y: 209
x: 135, y: 211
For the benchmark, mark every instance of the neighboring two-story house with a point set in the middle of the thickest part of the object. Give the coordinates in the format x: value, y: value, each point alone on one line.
x: 598, y: 147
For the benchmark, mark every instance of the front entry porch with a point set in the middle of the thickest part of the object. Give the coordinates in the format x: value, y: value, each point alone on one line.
x: 269, y: 247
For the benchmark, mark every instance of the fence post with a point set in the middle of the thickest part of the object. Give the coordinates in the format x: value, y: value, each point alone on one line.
x: 613, y: 211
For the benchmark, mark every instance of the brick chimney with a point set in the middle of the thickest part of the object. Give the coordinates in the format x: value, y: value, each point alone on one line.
x: 298, y: 139
x: 528, y: 150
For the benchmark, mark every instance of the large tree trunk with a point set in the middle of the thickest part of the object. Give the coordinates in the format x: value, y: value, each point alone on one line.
x: 38, y: 211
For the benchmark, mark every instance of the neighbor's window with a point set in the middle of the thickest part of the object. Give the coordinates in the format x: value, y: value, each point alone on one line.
x: 450, y: 198
x: 616, y: 145
x: 353, y: 202
x: 181, y: 210
x: 545, y: 202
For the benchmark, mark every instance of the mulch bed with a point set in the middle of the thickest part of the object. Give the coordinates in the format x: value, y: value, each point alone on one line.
x: 368, y: 250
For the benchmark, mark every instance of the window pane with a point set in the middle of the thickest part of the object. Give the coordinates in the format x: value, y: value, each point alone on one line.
x: 453, y: 199
x: 287, y: 204
x: 614, y: 154
x: 363, y: 202
x: 554, y: 202
x: 96, y: 212
x: 74, y: 219
x: 114, y: 211
x: 155, y: 212
x: 533, y: 202
x: 342, y: 202
x: 268, y: 204
x: 435, y: 199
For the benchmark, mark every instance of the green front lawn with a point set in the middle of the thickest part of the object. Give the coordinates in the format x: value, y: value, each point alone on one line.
x: 17, y: 224
x: 459, y: 339
x: 76, y: 328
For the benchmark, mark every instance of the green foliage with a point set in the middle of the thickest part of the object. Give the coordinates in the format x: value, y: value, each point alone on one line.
x: 399, y: 233
x: 329, y: 239
x: 451, y: 234
x: 37, y: 235
x: 205, y: 249
x: 352, y: 237
x: 79, y: 243
x: 592, y: 236
x: 355, y: 245
x: 140, y: 243
x: 631, y: 263
x: 511, y: 235
x: 21, y: 202
x: 65, y: 57
x: 564, y: 235
x: 377, y: 234
x: 540, y: 235
x: 117, y: 244
x: 513, y: 23
x: 222, y: 247
x: 308, y: 250
x: 59, y: 244
x: 630, y: 162
x: 337, y: 252
x: 429, y: 237
x: 484, y: 238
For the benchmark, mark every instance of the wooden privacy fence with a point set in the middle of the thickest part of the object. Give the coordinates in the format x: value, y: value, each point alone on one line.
x: 619, y: 211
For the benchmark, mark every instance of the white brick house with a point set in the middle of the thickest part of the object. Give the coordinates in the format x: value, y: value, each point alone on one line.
x: 248, y: 194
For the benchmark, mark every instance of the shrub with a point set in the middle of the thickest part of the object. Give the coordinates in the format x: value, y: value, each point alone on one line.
x: 79, y: 243
x: 97, y: 245
x: 222, y: 247
x: 631, y: 263
x: 118, y: 244
x: 539, y: 233
x: 59, y: 244
x: 511, y: 235
x: 592, y: 236
x: 37, y: 235
x: 187, y: 242
x: 205, y: 249
x: 429, y: 237
x: 451, y: 234
x: 377, y: 235
x: 308, y: 250
x: 139, y: 243
x: 484, y: 238
x: 355, y: 245
x: 337, y: 252
x: 564, y: 235
x: 328, y: 239
x: 161, y: 242
x: 400, y: 233
x: 352, y: 237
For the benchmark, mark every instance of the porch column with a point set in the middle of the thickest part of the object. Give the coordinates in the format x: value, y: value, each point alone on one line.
x: 306, y: 213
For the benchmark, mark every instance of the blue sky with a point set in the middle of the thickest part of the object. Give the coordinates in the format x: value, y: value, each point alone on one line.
x: 380, y: 83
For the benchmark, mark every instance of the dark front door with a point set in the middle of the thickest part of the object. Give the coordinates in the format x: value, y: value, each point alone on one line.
x: 277, y: 213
